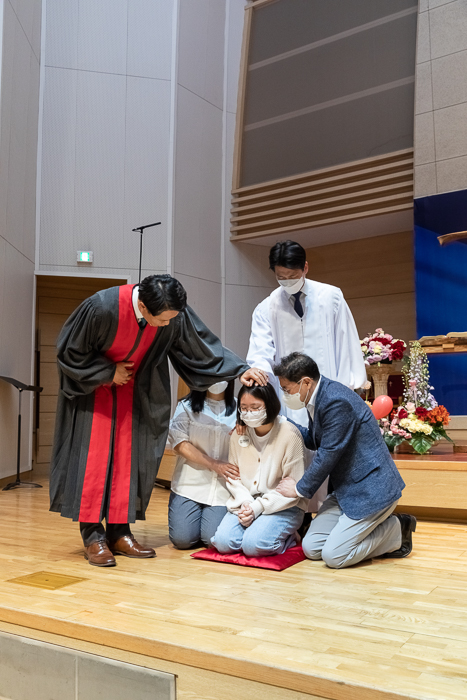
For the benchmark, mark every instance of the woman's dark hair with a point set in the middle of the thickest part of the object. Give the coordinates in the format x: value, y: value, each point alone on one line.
x: 287, y: 254
x: 196, y: 399
x: 264, y: 393
x: 161, y: 293
x: 296, y: 366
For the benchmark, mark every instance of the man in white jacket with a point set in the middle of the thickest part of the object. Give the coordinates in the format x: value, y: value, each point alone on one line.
x: 309, y: 317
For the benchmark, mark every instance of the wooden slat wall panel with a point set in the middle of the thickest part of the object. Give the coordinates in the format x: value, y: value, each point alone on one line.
x: 49, y: 378
x: 393, y: 312
x: 383, y: 184
x: 376, y: 276
x: 50, y: 326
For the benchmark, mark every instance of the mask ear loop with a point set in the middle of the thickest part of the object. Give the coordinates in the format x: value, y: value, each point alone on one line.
x: 306, y: 397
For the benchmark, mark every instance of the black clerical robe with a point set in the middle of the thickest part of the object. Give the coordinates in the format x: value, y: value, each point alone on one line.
x: 109, y: 439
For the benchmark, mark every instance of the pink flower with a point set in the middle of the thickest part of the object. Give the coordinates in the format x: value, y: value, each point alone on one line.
x: 410, y: 406
x: 379, y: 330
x: 413, y: 382
x: 388, y: 337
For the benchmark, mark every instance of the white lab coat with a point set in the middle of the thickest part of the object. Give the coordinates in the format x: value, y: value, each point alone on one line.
x: 327, y: 333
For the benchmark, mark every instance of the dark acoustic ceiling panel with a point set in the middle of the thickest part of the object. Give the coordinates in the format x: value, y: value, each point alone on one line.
x: 328, y: 82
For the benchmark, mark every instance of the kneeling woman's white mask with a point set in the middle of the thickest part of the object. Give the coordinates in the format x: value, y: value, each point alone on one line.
x: 218, y: 388
x: 253, y: 419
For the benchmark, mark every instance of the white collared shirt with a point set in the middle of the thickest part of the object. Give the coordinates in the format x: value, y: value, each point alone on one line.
x: 134, y: 299
x: 311, y: 403
x: 302, y: 297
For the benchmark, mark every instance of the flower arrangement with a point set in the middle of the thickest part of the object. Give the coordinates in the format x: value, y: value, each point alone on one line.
x: 381, y: 347
x: 419, y: 419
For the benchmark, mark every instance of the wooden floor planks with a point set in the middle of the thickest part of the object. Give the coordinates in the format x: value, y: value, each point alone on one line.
x: 383, y: 629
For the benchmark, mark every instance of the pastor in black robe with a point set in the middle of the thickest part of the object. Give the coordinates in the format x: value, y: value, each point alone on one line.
x: 109, y: 439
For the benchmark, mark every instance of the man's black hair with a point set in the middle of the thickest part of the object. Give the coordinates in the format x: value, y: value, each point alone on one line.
x: 296, y: 366
x: 161, y: 293
x: 265, y: 393
x: 196, y: 399
x: 287, y: 254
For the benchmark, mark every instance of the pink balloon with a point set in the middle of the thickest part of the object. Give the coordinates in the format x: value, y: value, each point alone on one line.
x: 382, y: 407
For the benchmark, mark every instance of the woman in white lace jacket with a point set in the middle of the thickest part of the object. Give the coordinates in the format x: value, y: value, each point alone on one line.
x: 260, y: 520
x: 199, y: 434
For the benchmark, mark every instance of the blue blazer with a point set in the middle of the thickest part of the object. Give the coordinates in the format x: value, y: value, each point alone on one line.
x: 351, y: 451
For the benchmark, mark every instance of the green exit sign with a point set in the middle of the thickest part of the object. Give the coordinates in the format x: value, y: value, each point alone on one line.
x: 85, y: 256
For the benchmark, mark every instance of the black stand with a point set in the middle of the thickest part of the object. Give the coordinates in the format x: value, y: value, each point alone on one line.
x: 18, y: 483
x: 140, y: 230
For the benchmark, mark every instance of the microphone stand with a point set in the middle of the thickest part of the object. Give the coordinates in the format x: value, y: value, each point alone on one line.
x: 140, y: 230
x: 18, y: 483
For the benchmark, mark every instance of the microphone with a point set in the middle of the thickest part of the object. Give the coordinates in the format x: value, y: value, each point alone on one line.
x: 141, y: 228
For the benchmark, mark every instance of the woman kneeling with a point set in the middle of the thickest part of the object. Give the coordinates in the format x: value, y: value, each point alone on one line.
x: 261, y: 521
x: 199, y: 435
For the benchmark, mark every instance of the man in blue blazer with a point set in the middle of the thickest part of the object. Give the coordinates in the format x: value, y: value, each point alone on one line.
x: 355, y: 521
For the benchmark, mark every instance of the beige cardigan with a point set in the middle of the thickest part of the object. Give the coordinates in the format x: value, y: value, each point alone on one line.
x: 284, y: 455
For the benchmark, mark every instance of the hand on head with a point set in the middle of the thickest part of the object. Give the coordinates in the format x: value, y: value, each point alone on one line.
x: 255, y: 376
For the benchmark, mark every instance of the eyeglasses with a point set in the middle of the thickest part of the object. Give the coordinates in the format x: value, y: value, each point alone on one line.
x: 288, y: 392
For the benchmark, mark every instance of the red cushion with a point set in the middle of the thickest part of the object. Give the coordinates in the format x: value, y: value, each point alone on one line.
x: 277, y: 562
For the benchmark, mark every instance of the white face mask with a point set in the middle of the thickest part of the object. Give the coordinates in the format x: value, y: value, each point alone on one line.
x: 253, y: 419
x: 292, y: 286
x: 293, y: 401
x: 218, y: 388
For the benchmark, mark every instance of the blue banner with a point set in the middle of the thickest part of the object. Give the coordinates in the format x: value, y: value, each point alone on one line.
x: 441, y: 290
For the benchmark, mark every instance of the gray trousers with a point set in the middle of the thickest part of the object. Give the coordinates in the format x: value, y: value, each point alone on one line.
x: 192, y: 523
x: 340, y: 541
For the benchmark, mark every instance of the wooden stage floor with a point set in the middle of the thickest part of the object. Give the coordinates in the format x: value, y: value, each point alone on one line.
x: 383, y: 629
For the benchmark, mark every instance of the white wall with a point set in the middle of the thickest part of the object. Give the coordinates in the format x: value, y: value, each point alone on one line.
x: 105, y: 139
x: 18, y: 148
x: 247, y: 277
x: 198, y: 159
x: 441, y: 98
x: 138, y: 123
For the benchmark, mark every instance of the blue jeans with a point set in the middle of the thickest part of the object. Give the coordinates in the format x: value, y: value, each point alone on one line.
x: 191, y: 523
x: 267, y: 535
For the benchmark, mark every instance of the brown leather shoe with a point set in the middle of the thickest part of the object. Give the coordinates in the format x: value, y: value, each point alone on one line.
x: 98, y: 554
x: 129, y: 547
